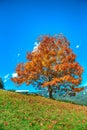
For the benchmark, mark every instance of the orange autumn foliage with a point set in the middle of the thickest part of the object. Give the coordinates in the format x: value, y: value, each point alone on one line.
x: 51, y: 65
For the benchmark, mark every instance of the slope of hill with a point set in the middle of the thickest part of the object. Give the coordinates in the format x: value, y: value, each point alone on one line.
x: 30, y: 112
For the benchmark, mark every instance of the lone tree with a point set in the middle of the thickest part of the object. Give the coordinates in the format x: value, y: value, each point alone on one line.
x: 52, y: 66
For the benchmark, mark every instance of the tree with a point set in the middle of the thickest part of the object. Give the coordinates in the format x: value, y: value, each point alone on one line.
x: 1, y: 84
x: 51, y: 65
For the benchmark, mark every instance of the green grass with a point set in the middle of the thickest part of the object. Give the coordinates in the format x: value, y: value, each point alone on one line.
x: 32, y: 112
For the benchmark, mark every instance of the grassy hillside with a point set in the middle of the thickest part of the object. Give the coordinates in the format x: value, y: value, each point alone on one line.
x: 29, y: 112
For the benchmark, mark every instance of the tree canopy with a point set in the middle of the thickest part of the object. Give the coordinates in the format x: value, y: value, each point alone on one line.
x: 52, y: 65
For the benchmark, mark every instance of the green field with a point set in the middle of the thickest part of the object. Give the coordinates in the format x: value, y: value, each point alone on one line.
x: 31, y: 112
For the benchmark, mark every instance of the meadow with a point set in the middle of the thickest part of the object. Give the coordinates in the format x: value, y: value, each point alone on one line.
x: 33, y: 112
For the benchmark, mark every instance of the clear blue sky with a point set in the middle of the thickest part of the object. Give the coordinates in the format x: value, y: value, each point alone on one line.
x: 22, y: 21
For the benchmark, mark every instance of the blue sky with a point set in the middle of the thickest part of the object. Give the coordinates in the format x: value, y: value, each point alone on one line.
x: 22, y: 21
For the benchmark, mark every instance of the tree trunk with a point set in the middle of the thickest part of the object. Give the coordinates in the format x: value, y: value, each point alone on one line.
x: 50, y: 92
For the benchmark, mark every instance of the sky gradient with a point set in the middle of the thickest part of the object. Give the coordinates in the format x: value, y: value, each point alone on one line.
x: 21, y: 22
